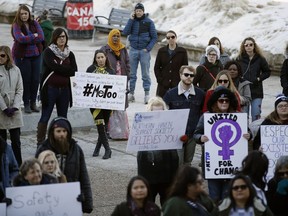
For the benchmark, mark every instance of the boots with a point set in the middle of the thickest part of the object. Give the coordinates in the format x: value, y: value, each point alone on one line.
x: 104, y: 140
x: 41, y: 132
x: 97, y: 148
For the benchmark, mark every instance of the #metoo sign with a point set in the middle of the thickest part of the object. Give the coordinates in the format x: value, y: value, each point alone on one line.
x: 226, y: 147
x: 102, y: 91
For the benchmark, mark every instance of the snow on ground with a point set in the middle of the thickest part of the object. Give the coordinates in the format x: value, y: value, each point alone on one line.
x: 196, y: 21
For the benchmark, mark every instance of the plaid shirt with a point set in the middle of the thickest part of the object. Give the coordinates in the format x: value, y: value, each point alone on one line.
x: 29, y: 39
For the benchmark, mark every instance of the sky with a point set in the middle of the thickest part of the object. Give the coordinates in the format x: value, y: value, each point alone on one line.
x: 195, y: 22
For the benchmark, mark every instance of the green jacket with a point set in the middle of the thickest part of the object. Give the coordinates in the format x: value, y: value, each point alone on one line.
x: 47, y: 28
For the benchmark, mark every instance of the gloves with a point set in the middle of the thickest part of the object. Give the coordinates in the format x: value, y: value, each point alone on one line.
x: 6, y: 200
x: 184, y: 138
x: 80, y: 198
x: 9, y: 112
x: 282, y: 187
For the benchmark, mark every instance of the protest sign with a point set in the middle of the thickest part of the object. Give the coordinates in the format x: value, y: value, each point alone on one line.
x: 274, y: 141
x: 226, y: 147
x: 3, y: 209
x: 51, y: 199
x: 102, y: 91
x: 157, y: 130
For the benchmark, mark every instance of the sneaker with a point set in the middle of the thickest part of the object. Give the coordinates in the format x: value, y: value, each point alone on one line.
x: 146, y: 99
x: 131, y: 97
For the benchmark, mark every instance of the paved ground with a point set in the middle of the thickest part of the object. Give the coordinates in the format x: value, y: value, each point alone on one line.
x: 110, y: 177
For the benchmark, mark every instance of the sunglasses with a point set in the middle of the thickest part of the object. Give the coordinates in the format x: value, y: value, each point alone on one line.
x: 222, y: 100
x: 223, y: 81
x: 187, y: 75
x: 172, y: 37
x: 237, y: 187
x: 248, y: 45
x: 283, y: 173
x: 2, y: 55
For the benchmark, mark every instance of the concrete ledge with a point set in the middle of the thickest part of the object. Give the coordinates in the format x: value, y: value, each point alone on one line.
x: 80, y: 119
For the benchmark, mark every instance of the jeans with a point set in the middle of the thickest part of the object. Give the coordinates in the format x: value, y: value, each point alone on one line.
x: 15, y: 142
x: 58, y: 96
x: 30, y: 72
x: 255, y: 108
x: 217, y: 189
x: 144, y: 57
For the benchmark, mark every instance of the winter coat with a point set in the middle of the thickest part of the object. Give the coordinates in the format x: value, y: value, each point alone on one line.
x: 11, y: 92
x: 9, y: 167
x: 124, y: 209
x: 206, y: 74
x: 224, y: 58
x: 51, y: 63
x: 259, y: 208
x: 75, y: 167
x: 194, y: 103
x: 167, y: 67
x: 252, y: 69
x: 158, y: 166
x: 245, y: 93
x: 177, y: 206
x: 277, y: 202
x: 46, y: 179
x: 284, y: 77
x: 142, y: 33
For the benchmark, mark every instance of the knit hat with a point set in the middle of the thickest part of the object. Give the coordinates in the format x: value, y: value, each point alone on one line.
x: 212, y: 48
x: 139, y: 6
x: 280, y: 98
x: 222, y: 92
x: 61, y: 122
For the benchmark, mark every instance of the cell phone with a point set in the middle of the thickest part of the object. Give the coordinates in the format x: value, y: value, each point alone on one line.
x: 134, y: 15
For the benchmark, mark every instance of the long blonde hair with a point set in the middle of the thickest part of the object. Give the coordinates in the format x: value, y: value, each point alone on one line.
x: 156, y: 101
x: 57, y: 172
x: 231, y: 85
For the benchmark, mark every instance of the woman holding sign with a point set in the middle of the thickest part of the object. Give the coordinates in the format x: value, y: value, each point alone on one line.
x: 221, y: 101
x: 101, y: 65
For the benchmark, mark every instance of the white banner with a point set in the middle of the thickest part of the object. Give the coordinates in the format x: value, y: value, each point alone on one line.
x: 3, y: 209
x: 102, y: 91
x: 51, y: 199
x: 226, y: 147
x: 157, y: 130
x: 274, y: 141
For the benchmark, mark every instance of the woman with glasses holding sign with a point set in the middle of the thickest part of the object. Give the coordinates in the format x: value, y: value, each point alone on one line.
x: 168, y: 61
x: 242, y: 199
x: 277, y: 193
x: 255, y: 69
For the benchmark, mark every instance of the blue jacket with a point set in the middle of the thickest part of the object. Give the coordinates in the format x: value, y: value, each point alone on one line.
x: 9, y: 168
x: 194, y: 103
x: 143, y: 34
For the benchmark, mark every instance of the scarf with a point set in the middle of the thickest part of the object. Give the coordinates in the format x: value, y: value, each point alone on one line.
x: 62, y: 55
x: 118, y: 46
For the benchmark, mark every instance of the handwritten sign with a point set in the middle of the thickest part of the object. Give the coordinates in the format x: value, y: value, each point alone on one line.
x: 157, y: 130
x: 274, y: 141
x: 3, y: 209
x: 226, y: 147
x: 51, y: 199
x: 100, y: 91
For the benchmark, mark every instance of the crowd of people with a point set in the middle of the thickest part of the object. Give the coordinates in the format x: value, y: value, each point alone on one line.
x: 41, y: 58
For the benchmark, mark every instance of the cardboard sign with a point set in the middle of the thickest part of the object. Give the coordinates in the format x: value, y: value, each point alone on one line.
x: 102, y: 91
x: 274, y: 141
x: 51, y: 199
x: 157, y: 130
x: 226, y: 147
x: 3, y: 209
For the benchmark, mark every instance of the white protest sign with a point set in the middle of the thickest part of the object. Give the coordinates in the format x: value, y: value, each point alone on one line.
x: 3, y: 209
x: 102, y: 91
x: 274, y: 141
x: 226, y: 147
x: 157, y: 130
x: 50, y: 199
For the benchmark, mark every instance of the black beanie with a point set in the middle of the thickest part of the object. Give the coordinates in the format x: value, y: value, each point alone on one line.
x: 139, y: 6
x: 63, y: 123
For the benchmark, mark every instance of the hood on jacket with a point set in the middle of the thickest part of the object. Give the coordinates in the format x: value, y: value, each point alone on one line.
x: 60, y: 122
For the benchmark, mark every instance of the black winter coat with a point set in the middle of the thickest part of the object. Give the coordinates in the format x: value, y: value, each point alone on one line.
x: 252, y: 69
x: 284, y: 77
x: 167, y: 67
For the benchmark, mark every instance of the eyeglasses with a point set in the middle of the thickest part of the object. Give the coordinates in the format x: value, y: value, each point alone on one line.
x: 222, y: 100
x: 172, y: 37
x: 237, y: 187
x: 62, y: 36
x: 2, y: 55
x: 282, y: 174
x: 47, y: 162
x: 282, y: 106
x: 223, y: 81
x: 249, y: 45
x: 188, y: 74
x: 212, y: 54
